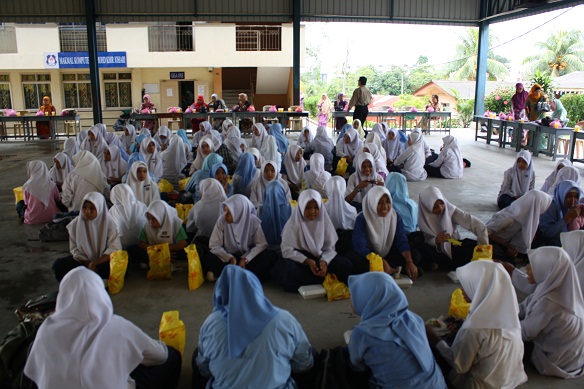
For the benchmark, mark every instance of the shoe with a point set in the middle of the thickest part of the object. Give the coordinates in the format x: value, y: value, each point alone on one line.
x: 210, y: 276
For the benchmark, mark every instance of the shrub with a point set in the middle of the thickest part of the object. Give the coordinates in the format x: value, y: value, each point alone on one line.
x: 410, y: 101
x: 465, y: 109
x: 310, y: 105
x: 574, y: 104
x: 499, y: 100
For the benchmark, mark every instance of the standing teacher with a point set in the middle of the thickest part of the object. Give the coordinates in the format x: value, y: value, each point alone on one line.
x: 360, y: 100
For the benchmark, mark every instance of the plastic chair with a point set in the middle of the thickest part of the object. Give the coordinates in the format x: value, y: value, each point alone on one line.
x: 269, y: 120
x: 70, y: 125
x: 296, y: 124
x: 172, y: 122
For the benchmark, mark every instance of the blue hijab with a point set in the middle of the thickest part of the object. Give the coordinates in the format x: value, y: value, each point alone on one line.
x: 560, y: 194
x: 343, y: 130
x: 384, y: 315
x: 205, y: 172
x: 214, y: 169
x: 183, y: 134
x: 281, y: 141
x: 407, y: 208
x: 135, y: 147
x: 275, y: 212
x: 240, y: 298
x: 246, y: 169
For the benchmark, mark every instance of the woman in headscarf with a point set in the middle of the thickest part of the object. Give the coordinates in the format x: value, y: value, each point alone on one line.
x: 294, y: 165
x: 341, y: 213
x: 562, y: 211
x: 44, y: 128
x: 95, y: 142
x: 162, y: 226
x: 518, y: 101
x: 220, y: 173
x: 128, y: 137
x: 269, y: 150
x: 308, y: 247
x: 339, y: 106
x: 204, y: 214
x: 205, y: 129
x: 174, y: 160
x: 449, y: 162
x: 81, y: 136
x: 41, y: 194
x: 238, y: 239
x: 567, y: 173
x: 281, y: 141
x: 226, y: 127
x: 128, y: 214
x: 512, y: 229
x: 379, y: 229
x: 270, y: 171
x: 86, y: 177
x: 364, y: 179
x: 344, y: 130
x: 84, y: 333
x: 358, y: 126
x: 186, y: 144
x: 113, y: 165
x: 199, y: 106
x: 348, y: 145
x: 61, y: 167
x: 162, y: 138
x: 317, y: 177
x: 378, y: 156
x: 573, y: 244
x: 407, y: 208
x: 322, y: 145
x: 247, y: 342
x: 245, y: 174
x: 487, y: 351
x: 375, y: 138
x: 206, y: 147
x: 235, y: 143
x: 411, y: 161
x: 274, y: 214
x: 392, y: 145
x: 258, y: 136
x: 324, y: 110
x: 390, y: 339
x: 152, y: 157
x: 143, y: 186
x: 535, y: 95
x: 258, y: 158
x: 517, y: 180
x: 552, y: 317
x: 70, y: 147
x: 205, y: 172
x: 93, y: 236
x: 439, y: 220
x: 551, y: 179
x: 306, y: 136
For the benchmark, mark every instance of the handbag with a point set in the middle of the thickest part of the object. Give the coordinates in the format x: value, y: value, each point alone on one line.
x: 543, y: 106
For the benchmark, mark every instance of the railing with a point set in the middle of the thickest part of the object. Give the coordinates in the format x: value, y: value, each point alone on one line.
x: 171, y: 38
x: 74, y: 38
x: 7, y: 39
x: 258, y: 38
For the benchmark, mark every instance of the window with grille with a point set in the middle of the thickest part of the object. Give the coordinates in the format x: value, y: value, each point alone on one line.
x: 35, y: 87
x: 171, y: 37
x: 7, y: 39
x: 118, y: 90
x: 5, y: 98
x: 74, y: 38
x: 258, y: 38
x: 77, y: 91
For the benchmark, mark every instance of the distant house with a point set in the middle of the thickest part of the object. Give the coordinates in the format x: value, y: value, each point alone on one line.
x: 466, y: 90
x: 570, y: 83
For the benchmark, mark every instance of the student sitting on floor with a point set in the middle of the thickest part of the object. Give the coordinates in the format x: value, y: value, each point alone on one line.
x: 323, y: 145
x: 348, y: 146
x: 393, y: 147
x: 563, y: 215
x: 93, y: 236
x: 175, y: 160
x: 204, y: 214
x: 573, y: 244
x: 247, y: 342
x: 128, y: 214
x: 317, y: 177
x: 61, y: 167
x: 294, y: 165
x: 551, y: 179
x: 407, y: 208
x: 567, y: 173
x: 308, y: 247
x: 517, y: 180
x: 270, y: 172
x: 362, y: 181
x: 41, y: 195
x: 341, y: 213
x: 390, y: 339
x: 113, y: 165
x: 238, y: 239
x: 220, y: 173
x: 449, y: 163
x: 144, y: 188
x: 245, y: 175
x: 84, y: 345
x: 85, y: 177
x: 411, y: 161
x: 274, y: 214
x: 152, y: 157
x: 205, y: 172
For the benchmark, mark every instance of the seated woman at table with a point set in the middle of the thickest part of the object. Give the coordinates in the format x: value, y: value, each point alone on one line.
x: 558, y: 110
x: 551, y: 179
x: 148, y: 107
x: 535, y: 96
x: 518, y: 101
x: 517, y: 180
x: 434, y: 105
x: 243, y: 105
x: 563, y: 214
x: 44, y: 128
x: 411, y: 161
x: 449, y: 163
x: 198, y: 106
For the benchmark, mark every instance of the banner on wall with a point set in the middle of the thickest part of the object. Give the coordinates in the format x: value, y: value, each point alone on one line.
x: 80, y: 59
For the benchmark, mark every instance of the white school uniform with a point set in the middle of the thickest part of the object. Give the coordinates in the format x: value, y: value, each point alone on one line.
x: 84, y: 178
x: 145, y: 191
x: 127, y: 213
x: 413, y: 159
x: 316, y: 178
x: 204, y: 214
x: 341, y: 213
x: 450, y: 159
x: 356, y: 178
x: 258, y: 187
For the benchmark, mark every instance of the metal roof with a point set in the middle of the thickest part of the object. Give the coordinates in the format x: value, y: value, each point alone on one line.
x: 441, y: 12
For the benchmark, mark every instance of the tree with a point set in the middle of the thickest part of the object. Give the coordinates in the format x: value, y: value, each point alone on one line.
x: 465, y: 67
x: 561, y: 53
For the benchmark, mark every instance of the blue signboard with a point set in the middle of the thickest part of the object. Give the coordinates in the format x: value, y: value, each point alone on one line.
x: 80, y: 59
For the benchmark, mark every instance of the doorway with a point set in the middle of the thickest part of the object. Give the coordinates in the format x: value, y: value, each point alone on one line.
x: 187, y: 93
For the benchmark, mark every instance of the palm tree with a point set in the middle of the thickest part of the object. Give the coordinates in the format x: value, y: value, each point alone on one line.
x: 466, y: 67
x: 561, y: 53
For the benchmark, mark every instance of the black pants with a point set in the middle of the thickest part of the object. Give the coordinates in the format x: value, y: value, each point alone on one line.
x: 433, y: 171
x: 361, y: 112
x: 261, y: 265
x: 62, y: 266
x: 461, y: 255
x: 165, y: 375
x: 504, y: 201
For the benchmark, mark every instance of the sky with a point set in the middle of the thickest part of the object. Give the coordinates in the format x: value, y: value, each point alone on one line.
x: 387, y: 43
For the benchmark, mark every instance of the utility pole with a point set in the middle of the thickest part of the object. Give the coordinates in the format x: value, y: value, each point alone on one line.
x: 345, y: 68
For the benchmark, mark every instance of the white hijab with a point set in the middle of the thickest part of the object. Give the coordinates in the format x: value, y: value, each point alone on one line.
x: 551, y: 179
x: 432, y: 224
x: 257, y: 141
x: 170, y: 223
x: 322, y: 139
x: 39, y: 183
x: 451, y: 143
x: 128, y: 140
x: 200, y: 158
x: 317, y: 177
x: 361, y: 158
x: 205, y: 213
x: 59, y: 175
x: 162, y: 131
x: 294, y: 169
x: 145, y: 191
x: 380, y: 230
x: 376, y: 138
x: 520, y: 179
x: 91, y: 236
x: 494, y: 302
x: 392, y: 147
x: 567, y: 173
x: 269, y: 150
x: 70, y: 147
x: 116, y: 167
x: 87, y: 167
x: 239, y: 236
x: 128, y: 213
x: 415, y: 158
x: 302, y: 142
x: 153, y: 160
x: 174, y: 157
x: 259, y: 159
x: 573, y: 244
x: 353, y: 146
x: 97, y: 146
x: 313, y: 236
x: 379, y: 157
x: 342, y: 214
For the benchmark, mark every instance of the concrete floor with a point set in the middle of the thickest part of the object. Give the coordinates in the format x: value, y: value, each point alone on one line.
x: 25, y: 261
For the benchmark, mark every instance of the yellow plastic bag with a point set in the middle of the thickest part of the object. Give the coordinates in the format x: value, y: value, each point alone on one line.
x: 18, y: 194
x: 182, y: 183
x: 172, y: 331
x: 375, y: 262
x: 342, y: 166
x: 195, y: 269
x: 118, y: 267
x: 186, y: 210
x: 335, y: 289
x: 484, y: 251
x: 159, y: 256
x: 179, y: 210
x: 165, y: 186
x: 458, y: 305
